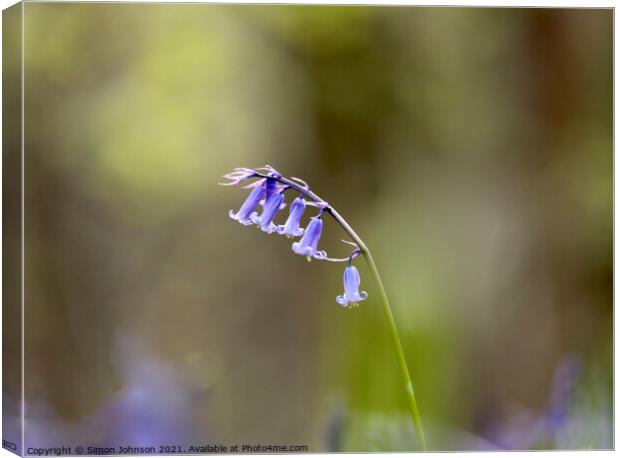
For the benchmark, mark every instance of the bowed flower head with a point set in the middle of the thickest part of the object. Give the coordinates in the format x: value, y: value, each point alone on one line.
x: 268, y: 190
x: 272, y: 206
x: 291, y: 227
x: 307, y: 246
x: 351, y: 295
x: 251, y: 202
x: 270, y: 185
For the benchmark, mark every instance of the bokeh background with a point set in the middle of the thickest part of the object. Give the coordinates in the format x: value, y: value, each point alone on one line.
x: 471, y: 148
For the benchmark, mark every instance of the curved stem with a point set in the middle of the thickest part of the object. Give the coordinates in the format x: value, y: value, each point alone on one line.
x: 404, y: 370
x: 400, y: 354
x: 363, y: 249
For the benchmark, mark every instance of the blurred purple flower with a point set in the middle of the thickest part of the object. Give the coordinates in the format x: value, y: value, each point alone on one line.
x: 525, y: 430
x: 291, y: 227
x: 307, y: 246
x: 564, y: 380
x: 351, y: 294
x: 157, y: 404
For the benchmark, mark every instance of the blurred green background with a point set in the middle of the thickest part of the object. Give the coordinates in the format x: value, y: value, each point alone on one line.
x: 471, y: 148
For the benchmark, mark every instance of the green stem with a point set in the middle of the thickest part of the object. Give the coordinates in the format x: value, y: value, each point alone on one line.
x: 398, y: 347
x: 400, y: 354
x: 404, y: 371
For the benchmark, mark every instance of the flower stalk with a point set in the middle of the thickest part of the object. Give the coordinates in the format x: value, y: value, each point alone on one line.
x: 400, y: 354
x: 270, y: 176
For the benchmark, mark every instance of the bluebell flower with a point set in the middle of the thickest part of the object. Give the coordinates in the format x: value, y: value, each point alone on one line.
x: 251, y: 202
x: 291, y: 227
x: 307, y: 246
x: 271, y: 186
x: 351, y: 294
x: 272, y: 206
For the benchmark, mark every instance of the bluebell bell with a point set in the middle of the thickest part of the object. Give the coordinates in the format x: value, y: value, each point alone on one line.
x: 291, y: 227
x: 351, y: 294
x: 268, y: 191
x: 271, y: 186
x: 251, y: 202
x: 272, y: 206
x: 307, y: 246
